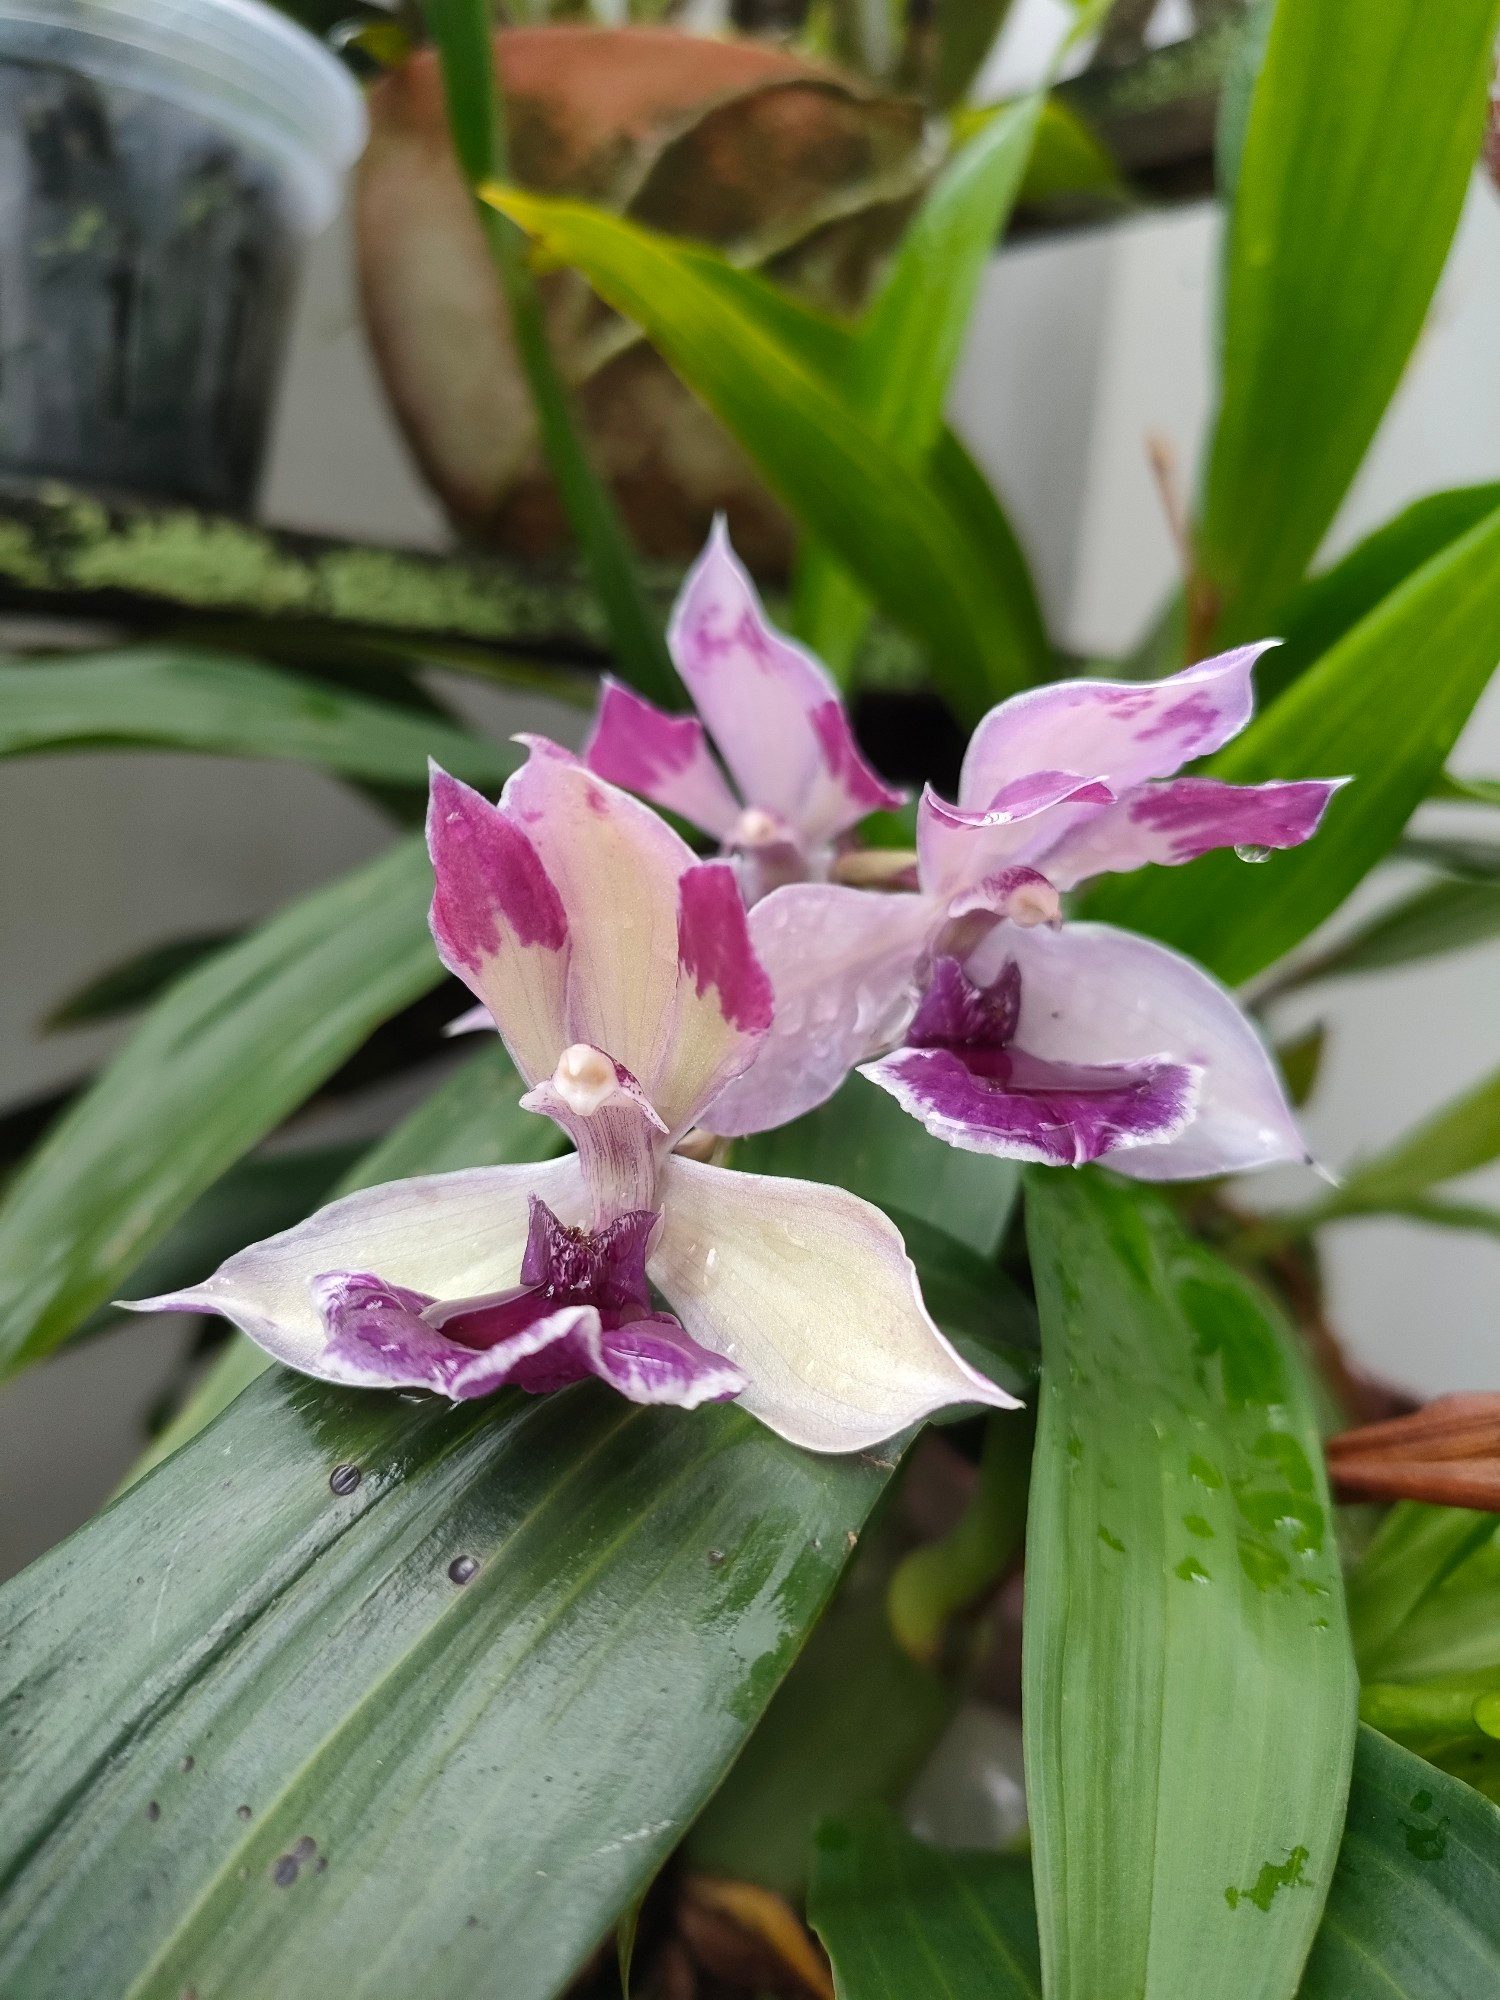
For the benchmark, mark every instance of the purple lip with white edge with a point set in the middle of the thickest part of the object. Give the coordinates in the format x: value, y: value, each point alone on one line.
x: 773, y: 714
x: 620, y: 973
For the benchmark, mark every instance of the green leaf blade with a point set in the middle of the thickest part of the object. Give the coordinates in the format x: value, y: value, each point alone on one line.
x: 1184, y: 1617
x: 213, y: 1067
x: 176, y: 699
x: 1384, y: 707
x: 522, y: 1749
x: 1337, y: 241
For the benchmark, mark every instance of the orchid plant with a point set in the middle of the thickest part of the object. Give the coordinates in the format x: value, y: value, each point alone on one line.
x: 645, y: 1485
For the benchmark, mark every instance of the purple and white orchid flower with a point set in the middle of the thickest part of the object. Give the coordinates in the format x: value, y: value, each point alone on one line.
x: 620, y: 973
x: 776, y: 719
x: 1013, y: 1035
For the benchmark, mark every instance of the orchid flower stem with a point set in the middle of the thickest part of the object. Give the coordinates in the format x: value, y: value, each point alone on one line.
x: 476, y: 118
x: 934, y: 1583
x: 1469, y: 1707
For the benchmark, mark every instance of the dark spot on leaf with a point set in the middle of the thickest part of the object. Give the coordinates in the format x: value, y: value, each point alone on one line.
x: 153, y: 1810
x: 471, y: 1923
x: 1273, y: 1876
x: 463, y: 1569
x: 1421, y: 1802
x: 344, y: 1478
x: 284, y: 1874
x: 242, y: 1812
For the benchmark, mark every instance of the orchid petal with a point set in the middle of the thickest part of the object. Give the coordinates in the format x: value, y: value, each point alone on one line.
x: 497, y: 921
x: 809, y: 1292
x: 957, y: 848
x: 1093, y: 994
x: 1124, y: 731
x: 616, y: 866
x: 842, y: 964
x: 441, y: 1236
x: 771, y: 707
x: 724, y: 999
x: 1177, y: 821
x: 665, y: 758
x: 1007, y: 1102
x: 379, y: 1340
x: 472, y: 1021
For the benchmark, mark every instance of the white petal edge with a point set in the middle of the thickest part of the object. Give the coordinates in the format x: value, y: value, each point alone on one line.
x: 809, y: 1291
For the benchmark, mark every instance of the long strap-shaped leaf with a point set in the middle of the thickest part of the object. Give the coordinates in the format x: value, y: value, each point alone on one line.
x: 1338, y: 235
x: 214, y: 1066
x: 177, y: 699
x: 427, y: 1737
x: 1384, y: 706
x: 1413, y: 1914
x: 887, y: 523
x: 1189, y: 1685
x: 901, y: 1919
x: 908, y: 343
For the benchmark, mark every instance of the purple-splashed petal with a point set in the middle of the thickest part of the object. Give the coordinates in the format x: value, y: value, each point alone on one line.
x: 458, y: 1235
x: 809, y: 1291
x: 1176, y: 821
x: 956, y: 1012
x: 498, y: 921
x: 1092, y: 994
x: 958, y: 848
x: 724, y: 1000
x: 665, y: 758
x: 1125, y: 731
x: 771, y: 707
x: 656, y: 1360
x: 616, y: 865
x: 377, y: 1341
x: 842, y: 964
x: 1023, y: 1108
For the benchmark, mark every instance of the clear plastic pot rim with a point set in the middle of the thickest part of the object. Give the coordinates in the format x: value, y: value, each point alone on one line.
x: 236, y: 63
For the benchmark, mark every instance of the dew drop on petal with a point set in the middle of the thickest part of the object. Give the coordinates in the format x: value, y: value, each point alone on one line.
x: 1253, y: 851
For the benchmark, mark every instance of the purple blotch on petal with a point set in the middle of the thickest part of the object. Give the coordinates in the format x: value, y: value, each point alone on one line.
x: 487, y: 870
x: 714, y: 949
x: 842, y: 755
x: 1200, y: 814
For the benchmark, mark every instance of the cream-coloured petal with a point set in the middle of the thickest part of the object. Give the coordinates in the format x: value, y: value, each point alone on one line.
x: 810, y: 1292
x: 449, y: 1236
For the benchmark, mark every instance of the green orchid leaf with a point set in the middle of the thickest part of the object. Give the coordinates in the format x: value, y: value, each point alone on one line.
x: 900, y: 1918
x: 1465, y: 860
x: 1457, y: 1139
x: 179, y: 700
x: 1424, y: 1599
x: 1384, y: 707
x: 1319, y: 612
x: 1443, y: 917
x: 461, y: 31
x: 908, y: 343
x: 1336, y: 242
x: 1414, y: 1912
x: 281, y: 1739
x: 473, y: 1120
x: 873, y: 509
x: 214, y: 1067
x: 1474, y: 791
x: 1189, y: 1690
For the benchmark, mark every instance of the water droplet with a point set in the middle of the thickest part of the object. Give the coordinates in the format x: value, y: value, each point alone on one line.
x: 716, y: 1556
x: 153, y: 1810
x: 1253, y: 851
x: 186, y: 1764
x: 242, y: 1812
x: 305, y: 1849
x: 343, y: 1479
x: 463, y: 1569
x: 286, y: 1871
